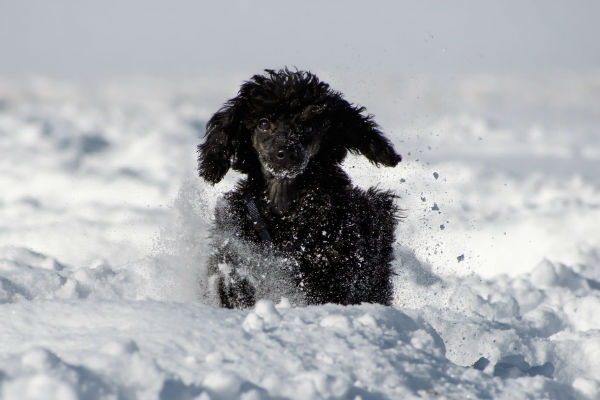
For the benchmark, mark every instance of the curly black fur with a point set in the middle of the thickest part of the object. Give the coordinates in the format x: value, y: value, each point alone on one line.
x: 330, y: 242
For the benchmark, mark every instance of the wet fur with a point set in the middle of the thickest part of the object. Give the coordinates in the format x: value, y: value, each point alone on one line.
x: 331, y: 242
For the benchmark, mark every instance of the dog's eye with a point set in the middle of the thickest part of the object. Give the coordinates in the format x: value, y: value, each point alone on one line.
x: 264, y: 125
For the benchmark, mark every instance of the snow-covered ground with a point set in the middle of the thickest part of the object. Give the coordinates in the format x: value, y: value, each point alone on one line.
x: 104, y: 230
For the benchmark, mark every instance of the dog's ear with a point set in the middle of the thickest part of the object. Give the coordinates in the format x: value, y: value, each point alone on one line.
x: 218, y: 149
x: 360, y: 134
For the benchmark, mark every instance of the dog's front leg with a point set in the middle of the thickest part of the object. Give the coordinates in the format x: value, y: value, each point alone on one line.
x: 229, y: 287
x: 235, y: 291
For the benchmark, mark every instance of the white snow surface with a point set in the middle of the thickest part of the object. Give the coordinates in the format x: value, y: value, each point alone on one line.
x: 105, y: 227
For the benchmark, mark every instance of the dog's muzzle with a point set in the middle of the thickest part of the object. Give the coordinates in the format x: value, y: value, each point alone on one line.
x: 287, y: 160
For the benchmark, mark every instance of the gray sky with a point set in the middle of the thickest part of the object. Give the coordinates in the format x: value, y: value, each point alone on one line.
x: 81, y: 39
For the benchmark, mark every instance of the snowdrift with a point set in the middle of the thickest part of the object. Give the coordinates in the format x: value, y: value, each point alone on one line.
x: 104, y: 235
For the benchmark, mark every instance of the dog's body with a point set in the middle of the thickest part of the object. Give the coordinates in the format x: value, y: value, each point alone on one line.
x: 296, y: 227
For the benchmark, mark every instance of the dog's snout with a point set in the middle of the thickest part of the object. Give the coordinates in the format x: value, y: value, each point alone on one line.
x: 288, y: 153
x: 286, y: 150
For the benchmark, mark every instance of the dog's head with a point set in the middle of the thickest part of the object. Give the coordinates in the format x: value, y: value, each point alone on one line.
x: 283, y: 121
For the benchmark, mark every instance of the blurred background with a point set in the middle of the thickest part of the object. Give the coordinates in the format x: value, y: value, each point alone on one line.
x: 409, y: 62
x: 184, y: 38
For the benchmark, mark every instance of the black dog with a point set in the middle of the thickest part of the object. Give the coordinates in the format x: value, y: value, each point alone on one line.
x: 296, y: 227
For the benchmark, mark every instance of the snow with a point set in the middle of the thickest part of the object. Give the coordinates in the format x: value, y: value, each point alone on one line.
x: 104, y: 238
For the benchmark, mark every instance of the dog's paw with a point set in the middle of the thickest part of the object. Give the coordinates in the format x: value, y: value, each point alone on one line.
x: 235, y: 291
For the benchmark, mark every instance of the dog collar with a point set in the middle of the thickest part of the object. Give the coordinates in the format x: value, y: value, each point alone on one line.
x: 260, y: 226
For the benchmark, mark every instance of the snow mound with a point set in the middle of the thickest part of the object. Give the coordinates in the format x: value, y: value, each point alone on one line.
x: 105, y: 232
x: 105, y: 349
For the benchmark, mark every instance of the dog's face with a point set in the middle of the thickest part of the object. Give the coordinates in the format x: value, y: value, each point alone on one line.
x: 282, y: 122
x: 286, y: 143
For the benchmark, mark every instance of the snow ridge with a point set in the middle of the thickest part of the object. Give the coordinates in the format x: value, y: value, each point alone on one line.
x: 105, y: 234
